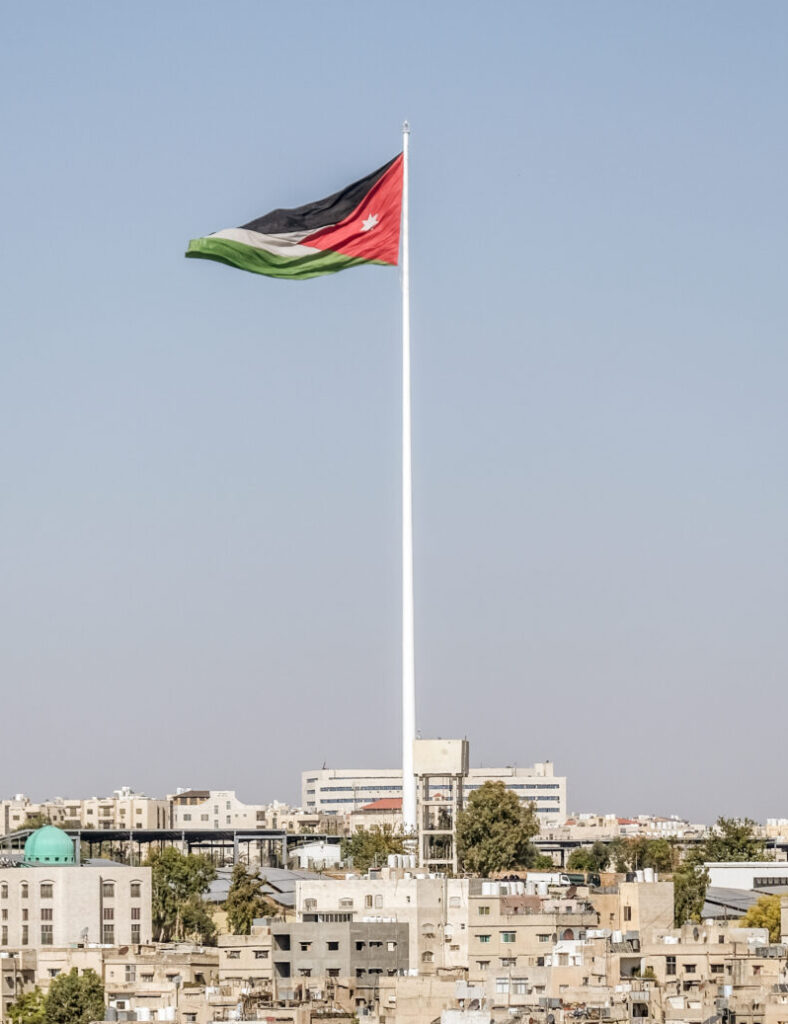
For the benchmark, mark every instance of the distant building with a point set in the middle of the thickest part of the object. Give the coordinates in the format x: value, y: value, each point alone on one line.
x: 341, y: 790
x: 221, y: 809
x: 49, y: 900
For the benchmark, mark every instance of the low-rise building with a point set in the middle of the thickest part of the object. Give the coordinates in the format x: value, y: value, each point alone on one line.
x: 434, y: 908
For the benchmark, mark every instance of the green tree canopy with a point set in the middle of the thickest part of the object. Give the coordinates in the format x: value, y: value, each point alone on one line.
x: 733, y: 839
x: 179, y: 881
x: 368, y: 847
x: 245, y: 901
x: 637, y: 852
x: 29, y: 1008
x: 494, y: 831
x: 589, y: 858
x: 690, y: 882
x: 765, y: 914
x: 75, y: 998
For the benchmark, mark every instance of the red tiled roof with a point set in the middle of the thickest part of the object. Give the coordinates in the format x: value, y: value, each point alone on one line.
x: 388, y: 803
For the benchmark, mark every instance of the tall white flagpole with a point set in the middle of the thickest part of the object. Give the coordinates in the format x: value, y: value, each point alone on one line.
x: 408, y: 652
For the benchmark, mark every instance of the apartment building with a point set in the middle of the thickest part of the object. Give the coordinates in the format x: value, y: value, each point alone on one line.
x: 245, y: 961
x: 509, y: 928
x: 342, y: 790
x: 310, y: 956
x: 49, y: 900
x: 435, y: 910
x: 124, y: 809
x: 221, y: 809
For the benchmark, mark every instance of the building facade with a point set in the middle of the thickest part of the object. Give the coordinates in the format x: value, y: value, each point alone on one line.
x: 343, y: 790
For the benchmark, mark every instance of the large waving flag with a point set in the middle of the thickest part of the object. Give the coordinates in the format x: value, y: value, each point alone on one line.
x: 359, y: 224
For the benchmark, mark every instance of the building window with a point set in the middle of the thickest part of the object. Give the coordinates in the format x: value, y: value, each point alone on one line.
x: 23, y: 890
x: 310, y: 904
x: 520, y: 987
x: 4, y: 891
x: 108, y: 934
x: 689, y: 968
x: 391, y: 945
x: 131, y: 972
x: 508, y: 936
x: 46, y: 913
x: 717, y: 968
x: 135, y: 934
x: 508, y: 961
x: 484, y: 911
x: 332, y: 947
x: 188, y: 817
x: 427, y: 956
x: 454, y: 901
x: 109, y: 913
x: 333, y: 972
x: 46, y: 934
x: 24, y: 935
x: 3, y: 915
x: 136, y: 890
x: 544, y: 938
x: 136, y: 913
x: 378, y: 901
x: 108, y: 890
x: 25, y: 914
x: 482, y: 964
x: 368, y: 902
x: 46, y: 890
x: 670, y: 965
x: 627, y: 913
x: 483, y: 938
x: 501, y: 986
x: 304, y: 972
x: 261, y: 954
x: 346, y: 903
x: 4, y: 935
x: 233, y: 954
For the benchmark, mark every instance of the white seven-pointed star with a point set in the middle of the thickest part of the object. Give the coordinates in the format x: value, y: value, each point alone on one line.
x: 370, y: 222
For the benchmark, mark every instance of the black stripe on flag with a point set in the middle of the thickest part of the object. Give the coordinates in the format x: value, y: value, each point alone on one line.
x: 320, y: 214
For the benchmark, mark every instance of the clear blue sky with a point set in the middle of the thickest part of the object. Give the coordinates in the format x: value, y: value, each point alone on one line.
x: 199, y: 512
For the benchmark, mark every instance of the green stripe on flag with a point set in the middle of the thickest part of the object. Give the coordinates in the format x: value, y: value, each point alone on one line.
x: 258, y: 261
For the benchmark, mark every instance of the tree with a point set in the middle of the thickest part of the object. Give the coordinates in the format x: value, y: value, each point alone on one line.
x: 179, y: 881
x: 245, y: 901
x: 371, y: 847
x: 638, y: 852
x: 733, y: 839
x: 494, y: 831
x: 765, y: 914
x: 29, y: 1008
x: 36, y: 820
x: 75, y: 998
x: 589, y: 858
x: 690, y: 882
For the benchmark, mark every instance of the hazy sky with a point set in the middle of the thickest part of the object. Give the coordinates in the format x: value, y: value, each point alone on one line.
x: 199, y: 510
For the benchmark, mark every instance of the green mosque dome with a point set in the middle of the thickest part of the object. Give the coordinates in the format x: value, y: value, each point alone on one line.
x: 49, y: 845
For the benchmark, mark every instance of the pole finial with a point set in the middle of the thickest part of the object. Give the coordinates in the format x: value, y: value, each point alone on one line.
x: 406, y: 128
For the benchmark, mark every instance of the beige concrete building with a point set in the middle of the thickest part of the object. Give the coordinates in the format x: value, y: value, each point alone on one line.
x: 124, y: 809
x: 245, y: 961
x: 435, y: 909
x: 48, y: 900
x: 221, y: 809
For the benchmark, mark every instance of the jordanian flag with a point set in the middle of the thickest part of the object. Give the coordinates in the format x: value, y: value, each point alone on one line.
x: 358, y: 225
